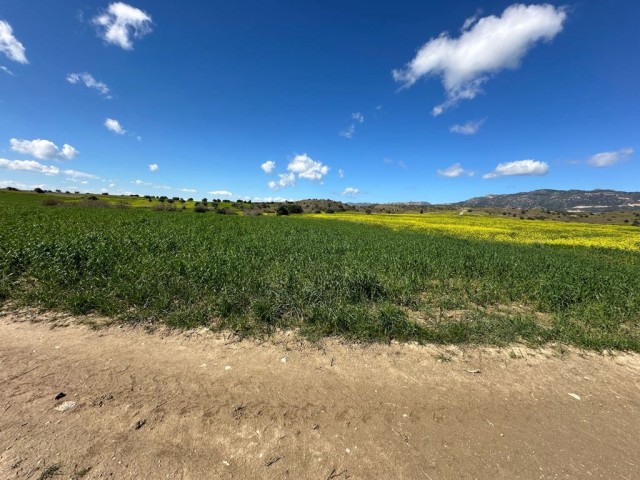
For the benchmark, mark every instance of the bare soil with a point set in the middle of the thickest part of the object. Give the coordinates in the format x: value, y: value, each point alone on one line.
x: 197, y: 405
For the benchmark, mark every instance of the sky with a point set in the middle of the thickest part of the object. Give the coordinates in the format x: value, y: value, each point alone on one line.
x: 352, y: 100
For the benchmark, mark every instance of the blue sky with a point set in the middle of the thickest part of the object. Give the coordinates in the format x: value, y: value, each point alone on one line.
x: 358, y: 100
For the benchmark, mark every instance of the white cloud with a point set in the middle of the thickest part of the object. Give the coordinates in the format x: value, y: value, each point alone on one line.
x: 28, y: 166
x: 114, y: 126
x: 76, y: 174
x: 520, y: 167
x: 153, y: 167
x: 43, y: 149
x: 340, y: 173
x: 270, y: 199
x: 455, y: 171
x: 486, y: 46
x: 188, y: 190
x: 89, y: 82
x: 351, y: 192
x: 358, y: 117
x: 607, y: 159
x: 284, y: 180
x: 9, y: 45
x: 37, y: 167
x: 305, y: 167
x: 268, y: 166
x: 20, y: 186
x: 140, y: 182
x: 122, y: 22
x: 6, y: 70
x: 348, y: 132
x: 221, y: 193
x: 469, y: 128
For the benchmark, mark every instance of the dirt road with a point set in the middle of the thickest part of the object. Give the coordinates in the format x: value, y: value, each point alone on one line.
x: 196, y: 406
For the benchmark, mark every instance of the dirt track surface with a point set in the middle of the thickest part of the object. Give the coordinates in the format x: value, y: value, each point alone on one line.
x: 206, y: 407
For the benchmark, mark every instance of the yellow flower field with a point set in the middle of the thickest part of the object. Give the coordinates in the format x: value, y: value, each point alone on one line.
x: 500, y: 229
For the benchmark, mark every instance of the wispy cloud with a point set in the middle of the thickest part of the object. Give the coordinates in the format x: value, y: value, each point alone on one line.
x: 43, y: 149
x: 350, y: 131
x: 268, y: 166
x: 221, y: 193
x: 340, y: 173
x: 397, y: 163
x: 114, y: 126
x: 189, y: 190
x: 485, y: 47
x: 10, y: 46
x: 607, y: 159
x: 519, y: 167
x: 455, y: 171
x: 469, y: 128
x: 37, y: 167
x: 122, y: 23
x: 6, y: 70
x: 89, y: 82
x: 154, y: 167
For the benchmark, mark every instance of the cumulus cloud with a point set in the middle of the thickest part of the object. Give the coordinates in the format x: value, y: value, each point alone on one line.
x: 43, y: 149
x: 469, y: 128
x: 114, y: 126
x: 485, y: 46
x: 268, y: 166
x: 454, y: 171
x: 221, y: 193
x: 153, y: 167
x: 284, y: 180
x: 89, y: 82
x: 9, y: 45
x: 305, y: 167
x: 351, y: 192
x: 121, y: 23
x: 519, y: 167
x: 607, y: 159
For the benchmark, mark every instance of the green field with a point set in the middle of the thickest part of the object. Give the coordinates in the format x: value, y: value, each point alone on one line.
x: 320, y: 277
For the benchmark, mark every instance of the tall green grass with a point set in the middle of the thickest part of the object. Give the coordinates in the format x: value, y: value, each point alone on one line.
x: 362, y: 282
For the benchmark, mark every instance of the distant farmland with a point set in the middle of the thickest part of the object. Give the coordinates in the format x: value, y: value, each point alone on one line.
x: 441, y: 277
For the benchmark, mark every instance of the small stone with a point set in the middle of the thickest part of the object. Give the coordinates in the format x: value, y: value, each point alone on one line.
x: 283, y: 359
x: 227, y: 368
x: 577, y: 397
x: 63, y: 407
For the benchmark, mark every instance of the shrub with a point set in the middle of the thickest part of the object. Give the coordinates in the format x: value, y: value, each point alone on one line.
x: 282, y: 210
x: 200, y: 209
x: 51, y: 202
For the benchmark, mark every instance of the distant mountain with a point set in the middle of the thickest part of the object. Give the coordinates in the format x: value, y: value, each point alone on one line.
x: 561, y: 200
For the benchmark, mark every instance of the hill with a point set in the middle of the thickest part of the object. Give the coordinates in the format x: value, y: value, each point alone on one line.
x: 561, y: 200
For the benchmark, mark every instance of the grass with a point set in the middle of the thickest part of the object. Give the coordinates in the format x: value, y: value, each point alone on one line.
x: 327, y: 277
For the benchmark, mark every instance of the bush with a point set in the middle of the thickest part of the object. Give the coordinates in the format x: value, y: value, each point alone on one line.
x: 282, y: 210
x: 38, y: 190
x: 200, y: 209
x: 51, y: 202
x: 293, y: 209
